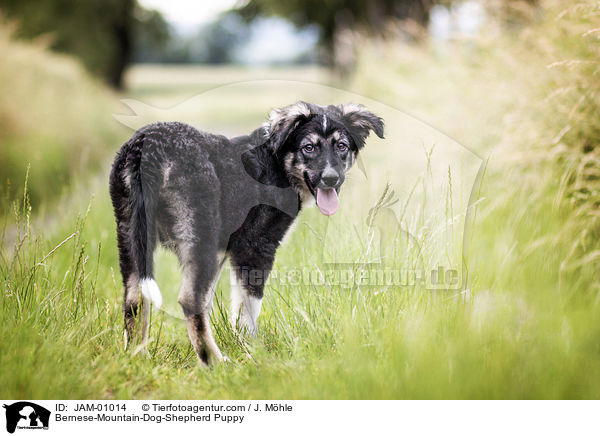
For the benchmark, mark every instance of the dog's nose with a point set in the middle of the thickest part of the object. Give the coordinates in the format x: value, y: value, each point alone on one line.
x: 330, y: 177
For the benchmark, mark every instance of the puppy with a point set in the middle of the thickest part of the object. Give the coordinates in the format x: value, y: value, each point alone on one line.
x: 208, y: 198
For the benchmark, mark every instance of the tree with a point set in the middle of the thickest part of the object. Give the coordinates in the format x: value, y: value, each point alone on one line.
x: 99, y: 32
x: 333, y: 17
x: 152, y: 36
x: 216, y: 43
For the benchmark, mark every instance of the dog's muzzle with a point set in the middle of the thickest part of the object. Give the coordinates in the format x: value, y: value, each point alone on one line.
x: 327, y: 191
x: 330, y: 178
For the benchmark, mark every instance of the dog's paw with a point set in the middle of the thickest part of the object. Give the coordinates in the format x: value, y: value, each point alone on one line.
x: 143, y: 350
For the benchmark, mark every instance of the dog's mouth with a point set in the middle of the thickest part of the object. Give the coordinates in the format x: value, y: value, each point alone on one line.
x: 328, y: 201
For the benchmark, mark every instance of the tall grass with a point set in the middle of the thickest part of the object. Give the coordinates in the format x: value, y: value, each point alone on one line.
x: 53, y: 115
x: 514, y: 333
x: 527, y: 97
x: 573, y: 133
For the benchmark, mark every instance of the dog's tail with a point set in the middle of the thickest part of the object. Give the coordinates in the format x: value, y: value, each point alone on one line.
x: 144, y: 183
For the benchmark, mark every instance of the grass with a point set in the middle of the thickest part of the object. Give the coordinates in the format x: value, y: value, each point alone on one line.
x: 519, y: 331
x: 526, y: 325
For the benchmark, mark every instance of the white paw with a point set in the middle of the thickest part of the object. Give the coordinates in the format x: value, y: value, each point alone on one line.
x: 143, y: 350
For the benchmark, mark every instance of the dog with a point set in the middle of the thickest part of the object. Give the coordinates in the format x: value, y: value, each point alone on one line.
x: 209, y: 198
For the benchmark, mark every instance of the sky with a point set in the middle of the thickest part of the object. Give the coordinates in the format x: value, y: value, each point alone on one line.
x: 275, y: 40
x: 188, y: 15
x: 271, y: 39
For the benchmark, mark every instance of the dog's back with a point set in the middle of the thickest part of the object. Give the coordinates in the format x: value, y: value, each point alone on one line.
x: 196, y: 193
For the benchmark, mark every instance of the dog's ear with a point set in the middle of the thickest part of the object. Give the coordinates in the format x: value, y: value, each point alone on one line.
x: 283, y: 121
x: 260, y: 164
x: 360, y: 122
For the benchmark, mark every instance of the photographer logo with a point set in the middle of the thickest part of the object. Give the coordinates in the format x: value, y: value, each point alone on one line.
x: 26, y: 415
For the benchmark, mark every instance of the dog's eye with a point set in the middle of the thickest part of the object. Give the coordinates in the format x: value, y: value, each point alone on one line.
x: 342, y: 146
x: 308, y: 148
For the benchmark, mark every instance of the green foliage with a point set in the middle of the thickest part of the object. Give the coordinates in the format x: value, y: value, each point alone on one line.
x: 52, y: 116
x: 96, y: 31
x: 214, y: 43
x: 152, y: 36
x: 572, y: 89
x: 573, y: 48
x: 336, y: 16
x: 531, y: 96
x: 217, y: 42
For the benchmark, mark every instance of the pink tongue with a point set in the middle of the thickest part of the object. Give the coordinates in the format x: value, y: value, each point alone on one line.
x: 327, y: 201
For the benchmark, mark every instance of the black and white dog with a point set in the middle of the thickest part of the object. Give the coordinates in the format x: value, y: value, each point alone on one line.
x: 208, y: 198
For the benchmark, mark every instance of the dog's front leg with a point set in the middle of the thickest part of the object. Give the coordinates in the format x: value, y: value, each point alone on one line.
x: 245, y: 303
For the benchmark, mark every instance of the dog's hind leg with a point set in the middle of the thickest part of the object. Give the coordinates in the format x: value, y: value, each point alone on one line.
x: 215, y: 281
x: 199, y: 272
x: 132, y: 298
x: 136, y: 320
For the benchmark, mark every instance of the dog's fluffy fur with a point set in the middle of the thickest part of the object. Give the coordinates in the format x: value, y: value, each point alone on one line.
x: 207, y: 197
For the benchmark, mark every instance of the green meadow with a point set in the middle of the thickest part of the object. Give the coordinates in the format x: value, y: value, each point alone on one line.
x: 489, y: 167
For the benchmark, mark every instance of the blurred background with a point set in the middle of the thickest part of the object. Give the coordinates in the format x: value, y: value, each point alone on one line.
x: 67, y: 63
x: 108, y: 37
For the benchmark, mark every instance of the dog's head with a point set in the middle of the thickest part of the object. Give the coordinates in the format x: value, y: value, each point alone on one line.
x: 318, y: 144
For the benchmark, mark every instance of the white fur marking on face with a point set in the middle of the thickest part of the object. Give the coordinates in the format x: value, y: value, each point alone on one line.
x: 324, y: 123
x: 313, y: 138
x: 167, y: 173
